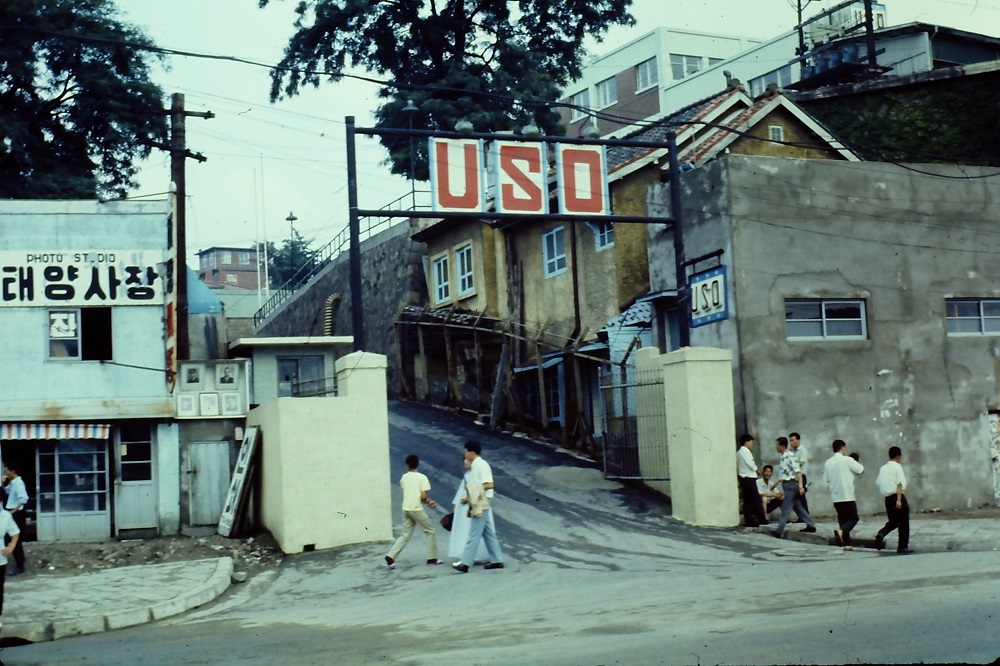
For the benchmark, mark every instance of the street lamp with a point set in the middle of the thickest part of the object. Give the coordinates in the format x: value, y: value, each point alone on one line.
x: 293, y: 260
x: 409, y: 110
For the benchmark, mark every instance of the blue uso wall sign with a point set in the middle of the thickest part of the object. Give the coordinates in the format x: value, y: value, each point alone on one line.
x: 709, y: 298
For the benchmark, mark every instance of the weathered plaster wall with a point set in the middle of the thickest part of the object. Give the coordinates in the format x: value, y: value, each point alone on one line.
x: 903, y: 242
x: 392, y: 276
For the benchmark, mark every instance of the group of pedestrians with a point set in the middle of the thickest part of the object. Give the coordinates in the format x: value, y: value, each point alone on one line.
x: 762, y: 493
x: 473, y: 530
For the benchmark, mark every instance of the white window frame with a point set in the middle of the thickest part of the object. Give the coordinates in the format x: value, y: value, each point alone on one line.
x: 604, y: 234
x: 226, y: 258
x: 245, y: 258
x: 554, y: 260
x: 607, y: 93
x: 441, y: 279
x: 64, y: 327
x: 827, y: 322
x: 689, y: 64
x: 581, y: 105
x: 466, y: 272
x: 986, y: 318
x: 646, y: 75
x: 776, y: 133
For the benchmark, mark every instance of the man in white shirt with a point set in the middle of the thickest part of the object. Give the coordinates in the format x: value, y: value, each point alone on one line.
x: 891, y: 482
x: 481, y: 526
x: 17, y: 499
x: 840, y: 471
x: 747, y: 472
x: 769, y: 491
x: 802, y: 455
x: 9, y: 528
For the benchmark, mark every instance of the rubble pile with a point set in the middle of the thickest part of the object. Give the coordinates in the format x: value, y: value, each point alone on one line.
x: 250, y: 554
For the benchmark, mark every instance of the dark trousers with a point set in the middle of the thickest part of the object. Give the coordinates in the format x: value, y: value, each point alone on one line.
x: 753, y: 508
x: 847, y: 517
x: 3, y: 578
x: 898, y: 518
x: 773, y: 504
x: 18, y: 553
x: 805, y: 498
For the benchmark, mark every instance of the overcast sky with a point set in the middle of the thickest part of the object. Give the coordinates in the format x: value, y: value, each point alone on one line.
x: 266, y: 160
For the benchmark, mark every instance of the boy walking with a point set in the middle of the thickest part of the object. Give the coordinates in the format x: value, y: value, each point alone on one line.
x: 415, y: 486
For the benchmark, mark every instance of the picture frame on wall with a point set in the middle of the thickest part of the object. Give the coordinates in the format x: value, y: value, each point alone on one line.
x: 231, y: 404
x: 208, y: 404
x: 227, y: 375
x: 187, y: 405
x: 192, y: 376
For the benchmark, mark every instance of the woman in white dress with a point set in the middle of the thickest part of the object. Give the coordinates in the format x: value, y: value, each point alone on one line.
x: 460, y: 524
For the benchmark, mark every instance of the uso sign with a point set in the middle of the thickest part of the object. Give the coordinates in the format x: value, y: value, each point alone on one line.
x: 520, y: 177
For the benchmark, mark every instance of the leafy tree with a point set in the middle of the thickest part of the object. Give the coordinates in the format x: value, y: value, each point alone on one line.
x: 292, y: 262
x: 77, y: 107
x: 455, y: 59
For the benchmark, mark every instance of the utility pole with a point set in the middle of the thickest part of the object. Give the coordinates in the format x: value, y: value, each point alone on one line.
x: 178, y: 153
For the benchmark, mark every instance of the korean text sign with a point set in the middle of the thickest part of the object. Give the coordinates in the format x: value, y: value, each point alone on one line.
x: 48, y: 278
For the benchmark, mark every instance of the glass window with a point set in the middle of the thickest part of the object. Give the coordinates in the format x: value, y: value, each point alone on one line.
x: 646, y: 75
x: 824, y: 319
x: 554, y: 251
x: 683, y: 65
x: 135, y: 452
x: 604, y: 234
x: 972, y: 316
x: 776, y: 133
x: 301, y: 376
x: 607, y: 93
x: 245, y: 258
x: 227, y: 258
x: 581, y: 105
x: 83, y: 334
x: 463, y: 257
x: 72, y: 476
x: 442, y: 291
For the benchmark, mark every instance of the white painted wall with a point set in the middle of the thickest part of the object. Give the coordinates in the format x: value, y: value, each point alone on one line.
x: 698, y: 383
x: 325, y: 461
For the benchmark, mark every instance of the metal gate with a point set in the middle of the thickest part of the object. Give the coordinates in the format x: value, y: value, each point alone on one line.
x: 635, y: 424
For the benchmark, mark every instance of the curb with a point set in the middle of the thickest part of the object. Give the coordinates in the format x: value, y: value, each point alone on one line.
x: 50, y: 630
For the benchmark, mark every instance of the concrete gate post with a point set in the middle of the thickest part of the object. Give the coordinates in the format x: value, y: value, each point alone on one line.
x: 698, y: 388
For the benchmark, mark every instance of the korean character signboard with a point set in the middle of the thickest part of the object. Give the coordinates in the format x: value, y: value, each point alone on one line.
x: 74, y: 279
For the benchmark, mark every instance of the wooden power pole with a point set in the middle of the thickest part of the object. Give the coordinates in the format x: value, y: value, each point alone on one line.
x: 178, y: 153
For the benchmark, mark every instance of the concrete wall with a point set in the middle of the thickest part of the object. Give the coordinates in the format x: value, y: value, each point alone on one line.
x: 903, y: 242
x: 698, y: 390
x: 392, y: 276
x: 325, y: 462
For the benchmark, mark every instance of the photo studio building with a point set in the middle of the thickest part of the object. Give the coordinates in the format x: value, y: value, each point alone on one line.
x: 86, y: 402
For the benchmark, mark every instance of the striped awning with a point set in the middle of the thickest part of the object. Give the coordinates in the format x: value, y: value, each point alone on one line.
x: 54, y: 430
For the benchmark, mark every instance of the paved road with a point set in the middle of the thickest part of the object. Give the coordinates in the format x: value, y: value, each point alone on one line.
x: 596, y: 575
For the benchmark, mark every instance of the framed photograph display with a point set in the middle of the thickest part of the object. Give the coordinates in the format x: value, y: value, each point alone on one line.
x: 192, y: 376
x: 208, y: 404
x: 231, y: 404
x: 227, y: 375
x: 187, y: 404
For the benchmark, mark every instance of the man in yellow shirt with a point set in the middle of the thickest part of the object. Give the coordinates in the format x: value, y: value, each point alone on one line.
x: 415, y: 486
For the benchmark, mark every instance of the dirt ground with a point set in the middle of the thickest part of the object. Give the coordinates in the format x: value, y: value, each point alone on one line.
x: 251, y: 554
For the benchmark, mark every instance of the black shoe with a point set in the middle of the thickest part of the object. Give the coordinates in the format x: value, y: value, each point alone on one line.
x: 765, y: 522
x: 808, y: 529
x: 494, y: 565
x: 775, y: 534
x: 879, y: 541
x: 389, y: 562
x: 903, y: 551
x: 17, y: 571
x: 460, y: 568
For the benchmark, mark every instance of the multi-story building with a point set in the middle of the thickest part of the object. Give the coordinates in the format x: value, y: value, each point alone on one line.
x: 230, y: 267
